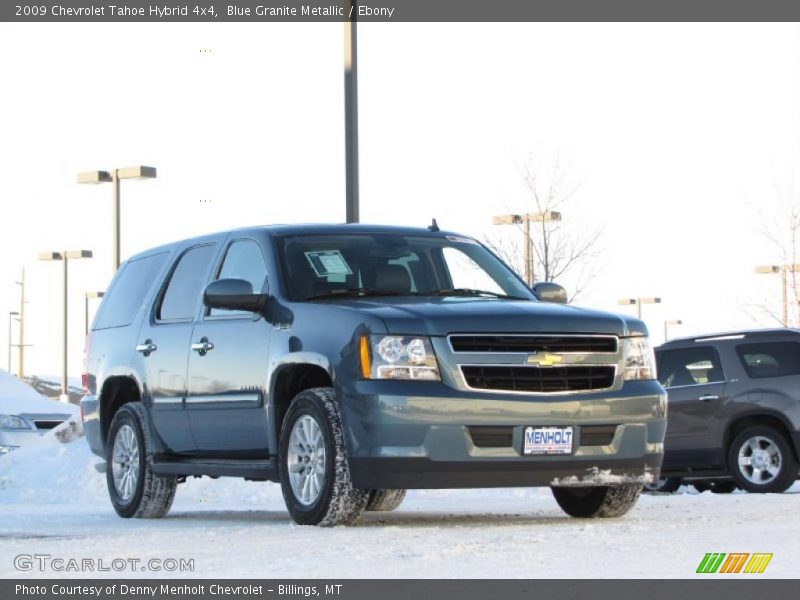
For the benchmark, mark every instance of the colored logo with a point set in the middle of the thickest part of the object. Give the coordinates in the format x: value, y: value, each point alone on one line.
x: 544, y: 360
x: 735, y: 562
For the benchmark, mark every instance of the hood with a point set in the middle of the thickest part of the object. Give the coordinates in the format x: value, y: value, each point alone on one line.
x: 18, y: 398
x: 442, y: 316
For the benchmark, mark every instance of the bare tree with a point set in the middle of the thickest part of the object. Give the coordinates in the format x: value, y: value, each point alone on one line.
x: 560, y: 249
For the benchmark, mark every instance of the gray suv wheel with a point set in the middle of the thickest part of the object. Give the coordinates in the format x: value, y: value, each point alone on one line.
x: 761, y: 460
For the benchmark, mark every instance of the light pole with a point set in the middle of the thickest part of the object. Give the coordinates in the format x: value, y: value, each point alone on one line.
x: 526, y: 220
x: 351, y: 111
x: 21, y: 345
x: 783, y: 270
x: 11, y: 315
x: 65, y: 258
x: 667, y: 324
x: 638, y: 302
x: 114, y: 177
x: 86, y: 297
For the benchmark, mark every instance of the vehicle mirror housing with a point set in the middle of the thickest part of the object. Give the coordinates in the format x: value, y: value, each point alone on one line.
x: 547, y: 291
x: 233, y: 294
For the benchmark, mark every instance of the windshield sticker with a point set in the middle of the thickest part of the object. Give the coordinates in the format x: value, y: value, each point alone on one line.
x: 463, y: 240
x: 328, y: 262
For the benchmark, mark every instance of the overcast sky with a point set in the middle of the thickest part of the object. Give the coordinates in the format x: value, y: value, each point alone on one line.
x: 681, y: 139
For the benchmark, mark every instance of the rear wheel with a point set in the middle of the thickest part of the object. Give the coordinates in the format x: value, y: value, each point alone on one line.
x: 594, y: 502
x: 761, y: 460
x: 664, y: 485
x: 385, y: 500
x: 134, y: 489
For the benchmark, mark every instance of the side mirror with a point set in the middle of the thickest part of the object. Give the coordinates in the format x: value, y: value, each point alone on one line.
x: 547, y: 291
x: 233, y: 294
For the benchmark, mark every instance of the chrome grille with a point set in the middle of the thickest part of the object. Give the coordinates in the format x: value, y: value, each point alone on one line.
x: 523, y: 378
x: 529, y: 344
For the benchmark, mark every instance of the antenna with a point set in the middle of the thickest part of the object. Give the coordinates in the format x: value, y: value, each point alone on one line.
x: 434, y: 226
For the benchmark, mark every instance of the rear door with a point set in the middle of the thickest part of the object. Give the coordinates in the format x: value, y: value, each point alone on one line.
x: 695, y: 384
x: 228, y: 365
x: 164, y: 342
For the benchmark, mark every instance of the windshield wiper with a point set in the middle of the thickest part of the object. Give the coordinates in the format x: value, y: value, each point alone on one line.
x: 472, y: 292
x: 356, y: 292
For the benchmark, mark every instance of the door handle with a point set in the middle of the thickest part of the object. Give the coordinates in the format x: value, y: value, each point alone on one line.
x: 203, y: 346
x: 708, y: 398
x: 147, y: 347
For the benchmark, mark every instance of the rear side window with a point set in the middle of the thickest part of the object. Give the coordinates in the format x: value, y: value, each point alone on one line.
x: 186, y: 284
x: 125, y: 297
x: 770, y: 359
x: 243, y: 260
x: 689, y: 366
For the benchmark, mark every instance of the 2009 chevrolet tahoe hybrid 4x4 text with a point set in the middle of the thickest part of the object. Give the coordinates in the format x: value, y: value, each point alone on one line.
x: 353, y: 362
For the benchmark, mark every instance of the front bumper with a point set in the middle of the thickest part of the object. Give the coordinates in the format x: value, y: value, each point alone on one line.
x: 424, y: 441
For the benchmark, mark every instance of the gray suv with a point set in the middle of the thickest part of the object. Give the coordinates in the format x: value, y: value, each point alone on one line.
x: 353, y: 362
x: 734, y: 411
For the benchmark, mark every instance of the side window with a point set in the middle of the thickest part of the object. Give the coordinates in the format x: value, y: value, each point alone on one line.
x: 124, y: 299
x: 243, y: 260
x: 465, y: 273
x: 689, y: 366
x: 770, y: 359
x: 186, y: 284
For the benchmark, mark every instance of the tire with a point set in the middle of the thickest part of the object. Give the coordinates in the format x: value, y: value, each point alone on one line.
x: 316, y: 485
x: 762, y: 461
x: 385, y: 500
x: 715, y: 486
x: 134, y: 489
x: 664, y: 485
x: 594, y: 502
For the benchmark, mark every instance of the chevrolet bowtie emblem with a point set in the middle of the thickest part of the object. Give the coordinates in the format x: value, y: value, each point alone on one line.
x: 544, y: 360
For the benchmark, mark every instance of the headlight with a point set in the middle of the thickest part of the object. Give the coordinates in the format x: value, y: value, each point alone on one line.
x: 10, y: 422
x: 640, y: 360
x: 398, y: 357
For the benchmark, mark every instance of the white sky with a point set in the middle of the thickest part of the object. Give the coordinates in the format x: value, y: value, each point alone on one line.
x: 677, y: 134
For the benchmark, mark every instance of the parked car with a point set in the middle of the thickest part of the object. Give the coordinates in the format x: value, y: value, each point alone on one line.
x: 734, y: 411
x: 26, y: 414
x: 353, y: 362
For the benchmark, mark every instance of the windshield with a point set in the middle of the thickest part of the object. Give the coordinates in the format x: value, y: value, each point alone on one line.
x: 378, y: 264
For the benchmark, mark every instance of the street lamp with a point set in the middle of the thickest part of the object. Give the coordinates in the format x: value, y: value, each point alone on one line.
x: 667, y: 324
x: 527, y: 219
x: 114, y: 177
x: 65, y: 257
x: 638, y: 302
x: 11, y: 316
x: 86, y: 297
x: 783, y: 270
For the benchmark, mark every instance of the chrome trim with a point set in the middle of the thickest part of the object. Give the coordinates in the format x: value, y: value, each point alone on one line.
x: 548, y: 394
x: 691, y: 385
x: 253, y: 399
x: 167, y: 399
x: 616, y: 338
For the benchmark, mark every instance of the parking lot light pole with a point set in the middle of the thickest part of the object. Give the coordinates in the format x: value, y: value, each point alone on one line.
x: 65, y: 257
x: 638, y: 302
x: 11, y: 316
x: 526, y: 220
x: 667, y: 324
x: 86, y: 298
x: 114, y: 177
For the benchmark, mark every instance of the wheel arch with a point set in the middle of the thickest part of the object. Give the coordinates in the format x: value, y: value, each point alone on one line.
x: 117, y: 391
x: 765, y: 418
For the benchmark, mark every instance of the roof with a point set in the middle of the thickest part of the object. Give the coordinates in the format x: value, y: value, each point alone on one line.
x: 742, y: 333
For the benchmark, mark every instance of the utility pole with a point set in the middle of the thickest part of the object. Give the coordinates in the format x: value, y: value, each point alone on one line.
x: 783, y: 270
x: 11, y: 316
x: 21, y: 332
x: 351, y: 111
x: 526, y: 220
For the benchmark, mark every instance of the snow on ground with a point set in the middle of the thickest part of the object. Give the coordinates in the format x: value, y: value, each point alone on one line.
x: 52, y: 501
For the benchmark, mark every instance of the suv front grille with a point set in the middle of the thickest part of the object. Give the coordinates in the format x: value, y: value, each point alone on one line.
x: 578, y: 378
x: 530, y: 344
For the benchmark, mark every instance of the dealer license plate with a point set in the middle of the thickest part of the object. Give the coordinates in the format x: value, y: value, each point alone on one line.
x: 547, y: 440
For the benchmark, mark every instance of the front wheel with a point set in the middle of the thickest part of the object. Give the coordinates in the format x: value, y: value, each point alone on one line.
x: 314, y: 472
x: 600, y: 501
x: 761, y: 460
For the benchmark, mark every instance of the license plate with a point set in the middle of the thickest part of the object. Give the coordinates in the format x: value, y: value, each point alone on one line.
x: 547, y: 440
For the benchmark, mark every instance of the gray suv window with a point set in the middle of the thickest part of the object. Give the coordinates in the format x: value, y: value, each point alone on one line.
x: 243, y: 260
x: 186, y: 284
x: 689, y: 366
x: 127, y: 294
x: 770, y: 359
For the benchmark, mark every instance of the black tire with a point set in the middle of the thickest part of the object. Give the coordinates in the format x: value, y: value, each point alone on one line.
x: 597, y: 502
x: 150, y: 496
x: 385, y: 500
x: 715, y: 486
x: 701, y: 486
x: 665, y: 485
x: 337, y: 502
x: 762, y: 437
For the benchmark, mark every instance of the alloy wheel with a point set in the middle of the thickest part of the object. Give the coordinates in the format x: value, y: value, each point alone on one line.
x: 306, y: 460
x: 125, y: 462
